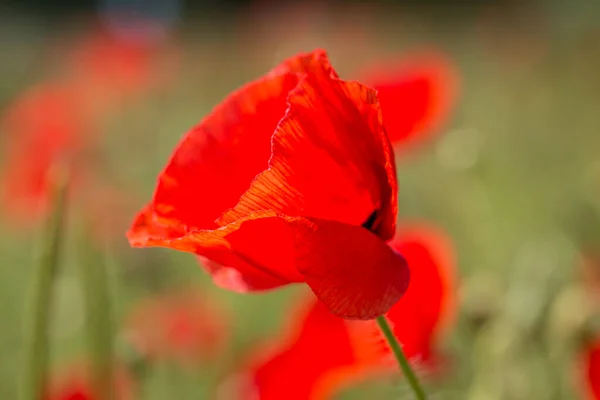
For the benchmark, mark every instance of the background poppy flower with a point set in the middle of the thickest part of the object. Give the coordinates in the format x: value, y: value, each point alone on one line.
x: 74, y: 383
x: 110, y: 65
x: 590, y: 370
x: 49, y: 127
x: 417, y: 94
x: 44, y: 129
x: 183, y: 326
x: 320, y: 353
x: 290, y: 179
x: 57, y: 122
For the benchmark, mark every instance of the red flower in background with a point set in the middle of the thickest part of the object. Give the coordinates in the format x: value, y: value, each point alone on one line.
x: 590, y: 370
x: 183, y: 326
x: 50, y: 127
x: 114, y: 62
x: 44, y: 130
x: 111, y: 65
x: 75, y: 383
x: 290, y: 179
x: 56, y: 123
x: 416, y: 93
x: 321, y: 352
x: 587, y: 373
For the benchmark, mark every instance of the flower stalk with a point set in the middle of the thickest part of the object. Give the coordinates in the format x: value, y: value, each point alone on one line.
x: 95, y: 288
x: 37, y: 342
x: 408, y: 372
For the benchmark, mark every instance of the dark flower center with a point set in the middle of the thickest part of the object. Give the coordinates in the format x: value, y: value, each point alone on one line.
x: 372, y: 222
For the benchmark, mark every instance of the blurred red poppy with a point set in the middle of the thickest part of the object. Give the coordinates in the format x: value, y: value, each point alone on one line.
x: 290, y: 179
x: 322, y: 353
x: 48, y: 128
x: 75, y: 383
x: 183, y: 326
x: 590, y: 370
x: 43, y: 129
x: 110, y: 65
x: 417, y: 94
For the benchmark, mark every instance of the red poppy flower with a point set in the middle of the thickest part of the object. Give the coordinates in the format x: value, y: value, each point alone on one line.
x: 46, y: 128
x: 112, y: 64
x: 183, y: 326
x: 290, y: 179
x: 75, y: 383
x: 590, y: 370
x: 321, y: 352
x: 110, y: 61
x: 43, y: 129
x: 416, y: 94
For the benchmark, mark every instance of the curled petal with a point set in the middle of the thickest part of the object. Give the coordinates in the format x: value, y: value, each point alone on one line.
x: 331, y: 158
x: 350, y: 269
x: 149, y: 227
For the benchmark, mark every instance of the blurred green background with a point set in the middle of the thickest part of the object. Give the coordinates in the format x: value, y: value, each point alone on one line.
x: 513, y: 178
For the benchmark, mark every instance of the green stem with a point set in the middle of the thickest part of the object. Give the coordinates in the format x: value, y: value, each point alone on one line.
x: 94, y: 285
x: 37, y: 342
x: 399, y: 354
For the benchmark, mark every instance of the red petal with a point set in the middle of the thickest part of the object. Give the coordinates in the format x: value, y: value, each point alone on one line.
x: 350, y: 269
x: 331, y: 158
x: 216, y: 161
x: 416, y: 96
x: 591, y: 365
